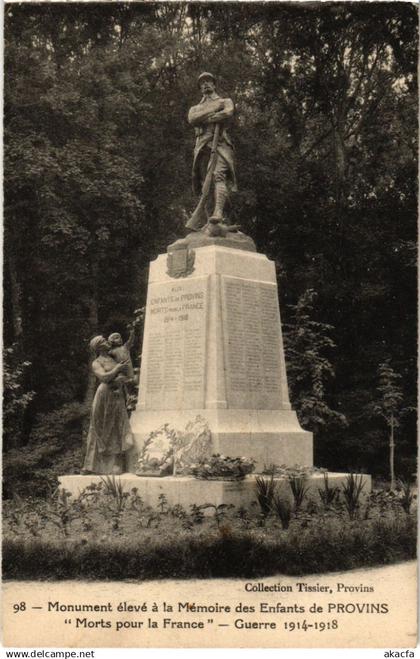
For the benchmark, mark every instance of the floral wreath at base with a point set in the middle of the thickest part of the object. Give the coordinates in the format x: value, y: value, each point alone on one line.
x: 220, y: 467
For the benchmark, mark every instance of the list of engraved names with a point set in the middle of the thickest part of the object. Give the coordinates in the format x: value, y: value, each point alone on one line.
x: 252, y: 335
x: 176, y: 339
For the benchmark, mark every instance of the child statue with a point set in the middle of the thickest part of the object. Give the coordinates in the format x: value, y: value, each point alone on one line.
x: 121, y: 352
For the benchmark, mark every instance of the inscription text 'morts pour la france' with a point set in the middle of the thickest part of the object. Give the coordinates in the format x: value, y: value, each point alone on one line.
x: 176, y: 338
x: 252, y: 335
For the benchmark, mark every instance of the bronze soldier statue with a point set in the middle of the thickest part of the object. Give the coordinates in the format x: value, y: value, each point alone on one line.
x: 213, y: 164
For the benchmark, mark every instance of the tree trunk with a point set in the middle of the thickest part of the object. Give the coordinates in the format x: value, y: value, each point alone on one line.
x: 340, y: 158
x: 16, y: 299
x: 93, y: 324
x: 340, y: 154
x: 392, y: 454
x: 17, y: 338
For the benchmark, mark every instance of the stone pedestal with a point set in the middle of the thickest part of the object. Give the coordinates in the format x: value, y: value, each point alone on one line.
x: 186, y: 490
x: 213, y: 347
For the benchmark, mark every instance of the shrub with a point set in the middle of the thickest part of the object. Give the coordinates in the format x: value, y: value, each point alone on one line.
x: 328, y: 495
x: 219, y: 511
x: 62, y: 510
x: 213, y: 553
x: 115, y: 499
x: 299, y: 491
x: 55, y: 448
x: 16, y: 395
x: 265, y: 492
x: 64, y: 537
x: 28, y: 470
x: 352, y: 489
x: 405, y: 494
x: 283, y: 510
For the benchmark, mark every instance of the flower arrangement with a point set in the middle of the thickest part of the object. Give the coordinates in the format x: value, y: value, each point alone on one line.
x: 156, y: 457
x: 292, y: 472
x: 167, y: 451
x: 220, y: 467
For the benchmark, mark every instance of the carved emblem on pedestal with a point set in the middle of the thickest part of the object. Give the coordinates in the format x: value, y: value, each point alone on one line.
x: 180, y: 262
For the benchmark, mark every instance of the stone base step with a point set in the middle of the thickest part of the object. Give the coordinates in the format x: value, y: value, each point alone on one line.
x: 186, y: 490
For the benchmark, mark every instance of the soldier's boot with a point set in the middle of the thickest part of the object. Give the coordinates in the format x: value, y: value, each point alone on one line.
x: 220, y: 195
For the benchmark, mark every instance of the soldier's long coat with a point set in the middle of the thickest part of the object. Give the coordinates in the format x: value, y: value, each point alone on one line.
x: 204, y: 136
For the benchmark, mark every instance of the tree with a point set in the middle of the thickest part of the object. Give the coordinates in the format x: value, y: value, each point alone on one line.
x: 389, y: 407
x: 97, y: 183
x: 308, y: 345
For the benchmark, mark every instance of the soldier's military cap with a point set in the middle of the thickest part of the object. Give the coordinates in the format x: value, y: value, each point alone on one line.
x: 205, y: 76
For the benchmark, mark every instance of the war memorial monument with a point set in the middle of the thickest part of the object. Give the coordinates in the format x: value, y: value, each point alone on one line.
x: 213, y: 376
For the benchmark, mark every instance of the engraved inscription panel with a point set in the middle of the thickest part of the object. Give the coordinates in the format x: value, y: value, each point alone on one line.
x: 253, y: 344
x: 173, y: 367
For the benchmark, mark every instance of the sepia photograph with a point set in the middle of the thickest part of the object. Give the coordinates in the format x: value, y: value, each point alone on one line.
x: 210, y: 324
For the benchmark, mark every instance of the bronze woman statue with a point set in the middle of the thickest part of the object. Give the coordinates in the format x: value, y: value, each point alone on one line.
x: 109, y: 431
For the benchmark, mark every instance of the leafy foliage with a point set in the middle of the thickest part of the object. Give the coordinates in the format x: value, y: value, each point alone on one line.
x: 307, y: 344
x: 407, y: 495
x: 389, y: 406
x: 299, y: 491
x: 282, y: 509
x: 223, y: 467
x: 55, y: 448
x: 75, y: 542
x: 96, y: 184
x: 352, y: 490
x: 265, y: 490
x: 16, y: 396
x: 292, y: 471
x: 328, y: 494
